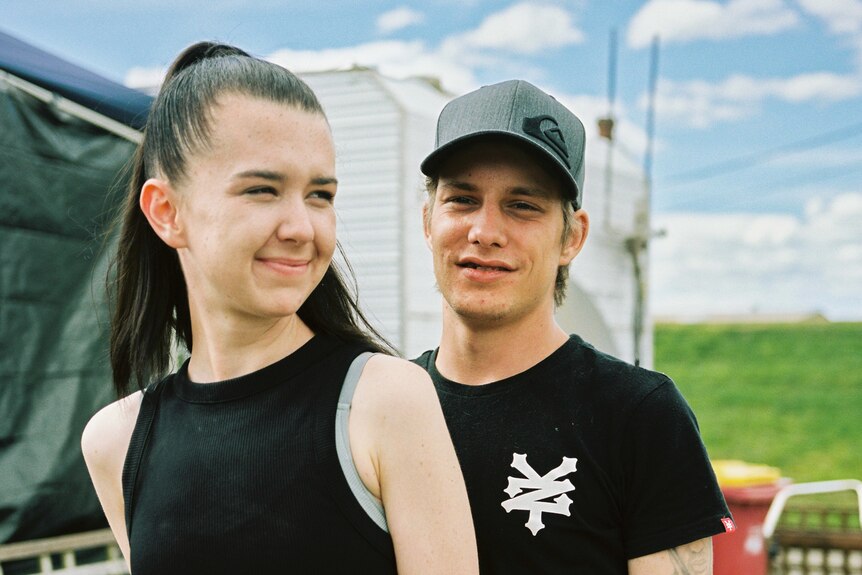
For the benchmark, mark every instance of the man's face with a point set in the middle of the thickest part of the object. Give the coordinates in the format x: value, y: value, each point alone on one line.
x: 495, y: 226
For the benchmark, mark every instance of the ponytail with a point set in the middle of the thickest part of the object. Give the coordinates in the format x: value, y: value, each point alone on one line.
x: 148, y: 296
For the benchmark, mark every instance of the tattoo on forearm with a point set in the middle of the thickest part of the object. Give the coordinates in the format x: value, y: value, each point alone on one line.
x: 693, y: 559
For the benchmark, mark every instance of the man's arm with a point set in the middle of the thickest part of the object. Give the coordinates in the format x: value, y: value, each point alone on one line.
x: 693, y: 558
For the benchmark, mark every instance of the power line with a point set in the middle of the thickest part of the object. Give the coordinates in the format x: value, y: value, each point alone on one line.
x: 782, y: 187
x: 752, y: 160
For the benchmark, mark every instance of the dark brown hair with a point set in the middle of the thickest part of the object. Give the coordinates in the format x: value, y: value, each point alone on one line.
x: 147, y: 287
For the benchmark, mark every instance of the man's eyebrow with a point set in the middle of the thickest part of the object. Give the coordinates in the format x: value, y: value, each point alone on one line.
x: 280, y: 177
x: 515, y: 190
x: 532, y: 192
x: 459, y: 185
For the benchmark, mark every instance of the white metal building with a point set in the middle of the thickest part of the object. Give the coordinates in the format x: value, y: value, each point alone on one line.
x: 383, y: 128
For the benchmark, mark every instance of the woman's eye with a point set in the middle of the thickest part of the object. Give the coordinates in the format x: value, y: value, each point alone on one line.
x: 323, y: 195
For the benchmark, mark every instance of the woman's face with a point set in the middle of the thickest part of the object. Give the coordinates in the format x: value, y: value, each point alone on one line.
x: 256, y: 210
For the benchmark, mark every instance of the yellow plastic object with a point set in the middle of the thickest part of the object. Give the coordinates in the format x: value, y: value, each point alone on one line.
x: 736, y: 473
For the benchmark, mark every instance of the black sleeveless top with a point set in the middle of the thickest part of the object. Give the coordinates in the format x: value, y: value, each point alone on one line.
x: 242, y: 476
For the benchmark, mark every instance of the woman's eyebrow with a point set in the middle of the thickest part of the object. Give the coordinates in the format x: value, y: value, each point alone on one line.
x: 274, y: 176
x: 262, y: 174
x: 324, y: 180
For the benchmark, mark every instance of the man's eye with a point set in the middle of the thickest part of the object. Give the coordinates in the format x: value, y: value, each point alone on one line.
x: 524, y: 206
x: 459, y: 200
x: 261, y: 190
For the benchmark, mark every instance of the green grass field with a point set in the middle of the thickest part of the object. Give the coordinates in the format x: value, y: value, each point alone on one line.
x: 787, y: 395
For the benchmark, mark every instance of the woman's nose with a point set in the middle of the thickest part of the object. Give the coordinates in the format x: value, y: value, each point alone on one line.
x: 295, y: 223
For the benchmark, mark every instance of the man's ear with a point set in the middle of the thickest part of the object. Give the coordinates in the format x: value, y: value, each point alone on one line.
x: 158, y: 201
x: 577, y: 236
x: 426, y: 224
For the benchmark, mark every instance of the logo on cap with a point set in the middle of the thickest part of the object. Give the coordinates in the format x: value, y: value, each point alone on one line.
x: 546, y: 129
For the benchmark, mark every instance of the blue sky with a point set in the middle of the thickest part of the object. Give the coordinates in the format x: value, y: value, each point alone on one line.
x: 758, y: 126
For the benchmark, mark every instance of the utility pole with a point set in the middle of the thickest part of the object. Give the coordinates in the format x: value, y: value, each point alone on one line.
x: 638, y: 243
x: 606, y: 126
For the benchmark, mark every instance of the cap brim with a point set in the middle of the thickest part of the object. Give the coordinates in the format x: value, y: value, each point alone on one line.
x: 431, y: 164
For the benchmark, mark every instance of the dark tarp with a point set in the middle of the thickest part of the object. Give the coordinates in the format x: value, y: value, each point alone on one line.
x: 59, y: 184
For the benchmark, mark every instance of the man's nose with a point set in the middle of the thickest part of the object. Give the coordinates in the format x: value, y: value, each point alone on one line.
x: 487, y: 227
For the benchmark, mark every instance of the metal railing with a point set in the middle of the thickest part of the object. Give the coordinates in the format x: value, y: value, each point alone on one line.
x: 815, y: 538
x: 65, y: 551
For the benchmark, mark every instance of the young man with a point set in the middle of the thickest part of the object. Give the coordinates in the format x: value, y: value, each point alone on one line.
x: 575, y: 461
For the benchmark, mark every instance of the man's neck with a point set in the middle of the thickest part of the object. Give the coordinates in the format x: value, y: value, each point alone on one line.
x: 475, y: 354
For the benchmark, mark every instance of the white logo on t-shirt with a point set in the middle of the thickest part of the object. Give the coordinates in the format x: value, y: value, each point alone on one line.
x: 543, y: 487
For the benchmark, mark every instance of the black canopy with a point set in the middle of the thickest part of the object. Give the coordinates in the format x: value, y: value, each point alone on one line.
x: 73, y: 82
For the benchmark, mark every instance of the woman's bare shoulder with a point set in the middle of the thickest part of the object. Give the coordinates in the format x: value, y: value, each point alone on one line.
x: 391, y: 370
x: 396, y: 382
x: 106, y: 436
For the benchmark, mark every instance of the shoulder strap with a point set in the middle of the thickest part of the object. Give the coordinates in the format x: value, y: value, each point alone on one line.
x: 137, y: 446
x: 342, y: 443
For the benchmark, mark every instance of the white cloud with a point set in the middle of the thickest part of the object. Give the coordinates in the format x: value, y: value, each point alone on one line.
x: 398, y: 59
x: 524, y: 28
x: 146, y: 79
x: 701, y: 104
x: 822, y: 86
x: 696, y: 103
x: 740, y: 262
x: 841, y: 16
x: 392, y: 58
x: 687, y: 20
x: 398, y: 19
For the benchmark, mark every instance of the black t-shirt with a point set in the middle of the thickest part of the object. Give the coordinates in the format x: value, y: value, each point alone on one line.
x: 242, y: 476
x: 579, y: 464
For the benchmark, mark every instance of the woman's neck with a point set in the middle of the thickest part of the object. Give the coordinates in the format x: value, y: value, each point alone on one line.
x: 229, y: 348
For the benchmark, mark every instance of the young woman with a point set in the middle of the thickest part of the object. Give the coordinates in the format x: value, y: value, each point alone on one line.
x: 245, y: 460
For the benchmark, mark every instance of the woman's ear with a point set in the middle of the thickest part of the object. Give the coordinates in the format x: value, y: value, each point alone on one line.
x: 159, y: 203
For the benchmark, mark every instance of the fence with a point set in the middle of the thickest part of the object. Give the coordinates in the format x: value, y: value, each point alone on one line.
x: 815, y: 539
x: 90, y: 553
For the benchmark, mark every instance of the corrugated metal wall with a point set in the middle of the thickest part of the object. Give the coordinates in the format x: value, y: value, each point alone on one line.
x: 367, y: 128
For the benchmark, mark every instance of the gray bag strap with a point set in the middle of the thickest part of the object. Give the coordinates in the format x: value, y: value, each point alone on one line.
x: 367, y: 501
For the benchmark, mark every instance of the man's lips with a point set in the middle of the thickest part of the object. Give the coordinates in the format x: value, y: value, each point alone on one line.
x: 484, y: 265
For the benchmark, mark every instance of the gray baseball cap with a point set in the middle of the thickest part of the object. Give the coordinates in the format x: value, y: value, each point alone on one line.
x: 516, y: 109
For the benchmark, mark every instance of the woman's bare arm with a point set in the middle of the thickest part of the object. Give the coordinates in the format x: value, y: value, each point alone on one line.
x: 104, y: 443
x: 405, y: 457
